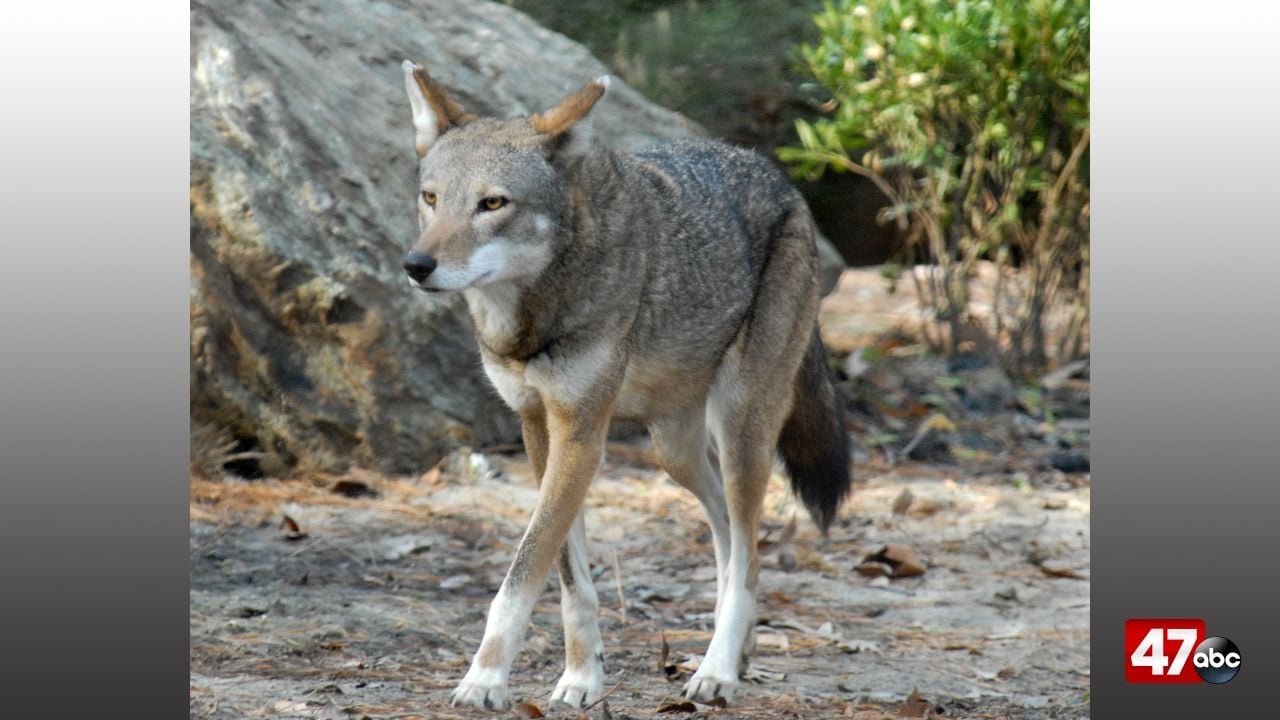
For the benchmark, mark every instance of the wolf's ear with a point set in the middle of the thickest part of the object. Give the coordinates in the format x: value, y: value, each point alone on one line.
x: 434, y: 111
x: 568, y: 124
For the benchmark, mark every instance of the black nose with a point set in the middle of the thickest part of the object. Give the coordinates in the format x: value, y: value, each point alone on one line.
x: 419, y: 266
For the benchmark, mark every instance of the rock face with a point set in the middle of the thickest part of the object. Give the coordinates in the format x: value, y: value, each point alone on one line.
x: 308, y: 349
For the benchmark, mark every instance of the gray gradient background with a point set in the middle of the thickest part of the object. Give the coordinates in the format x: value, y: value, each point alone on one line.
x: 1186, y: 395
x: 93, y: 327
x: 93, y: 359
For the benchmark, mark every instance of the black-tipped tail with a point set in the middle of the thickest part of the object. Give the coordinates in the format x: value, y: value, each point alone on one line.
x: 814, y: 443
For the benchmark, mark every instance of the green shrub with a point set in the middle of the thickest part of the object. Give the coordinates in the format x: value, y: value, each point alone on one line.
x: 973, y: 118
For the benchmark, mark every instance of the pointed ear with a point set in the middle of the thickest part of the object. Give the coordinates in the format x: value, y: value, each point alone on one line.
x: 568, y: 123
x: 434, y: 111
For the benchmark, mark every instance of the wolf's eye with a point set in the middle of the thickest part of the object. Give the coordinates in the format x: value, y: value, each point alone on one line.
x: 492, y: 203
x: 429, y: 198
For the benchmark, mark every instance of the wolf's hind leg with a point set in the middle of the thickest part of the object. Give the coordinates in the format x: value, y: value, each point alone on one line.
x: 681, y: 444
x: 583, y: 680
x: 748, y: 404
x: 746, y: 461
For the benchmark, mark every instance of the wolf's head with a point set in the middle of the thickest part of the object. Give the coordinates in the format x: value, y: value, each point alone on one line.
x: 492, y: 194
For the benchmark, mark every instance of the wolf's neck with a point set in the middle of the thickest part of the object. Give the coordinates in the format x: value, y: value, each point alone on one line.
x: 515, y: 320
x: 495, y: 309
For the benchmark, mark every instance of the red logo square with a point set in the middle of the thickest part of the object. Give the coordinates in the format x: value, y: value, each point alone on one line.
x: 1159, y: 650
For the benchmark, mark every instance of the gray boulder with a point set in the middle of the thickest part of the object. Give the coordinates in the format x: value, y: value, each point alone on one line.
x: 308, y: 350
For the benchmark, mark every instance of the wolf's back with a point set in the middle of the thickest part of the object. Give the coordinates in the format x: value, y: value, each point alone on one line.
x: 721, y: 190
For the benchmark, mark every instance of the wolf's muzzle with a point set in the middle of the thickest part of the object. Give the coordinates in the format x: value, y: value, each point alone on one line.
x: 419, y: 266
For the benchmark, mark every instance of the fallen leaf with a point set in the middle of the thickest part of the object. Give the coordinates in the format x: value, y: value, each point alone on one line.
x: 291, y: 530
x: 680, y: 707
x: 431, y: 477
x: 1010, y: 595
x: 353, y: 489
x: 527, y: 710
x: 915, y: 706
x: 872, y: 569
x: 773, y: 640
x: 902, y: 558
x: 454, y: 581
x: 903, y: 502
x: 663, y: 653
x: 677, y: 670
x: 1062, y: 573
x: 765, y: 546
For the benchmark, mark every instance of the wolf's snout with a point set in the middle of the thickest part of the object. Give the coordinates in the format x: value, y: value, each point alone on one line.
x: 419, y: 266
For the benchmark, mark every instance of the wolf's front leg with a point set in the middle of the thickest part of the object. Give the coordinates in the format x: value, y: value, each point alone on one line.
x: 576, y: 446
x: 583, y: 680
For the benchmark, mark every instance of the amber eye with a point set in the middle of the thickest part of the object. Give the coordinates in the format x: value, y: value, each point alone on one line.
x: 492, y: 203
x: 429, y: 198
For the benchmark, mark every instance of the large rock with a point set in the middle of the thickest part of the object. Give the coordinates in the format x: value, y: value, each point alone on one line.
x: 309, y: 351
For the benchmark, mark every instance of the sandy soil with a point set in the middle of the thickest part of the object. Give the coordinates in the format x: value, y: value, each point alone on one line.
x: 375, y: 611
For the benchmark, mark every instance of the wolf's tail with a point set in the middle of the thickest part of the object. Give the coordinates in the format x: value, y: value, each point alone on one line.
x: 814, y: 443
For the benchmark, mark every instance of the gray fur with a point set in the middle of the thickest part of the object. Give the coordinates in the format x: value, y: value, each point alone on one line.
x: 676, y: 286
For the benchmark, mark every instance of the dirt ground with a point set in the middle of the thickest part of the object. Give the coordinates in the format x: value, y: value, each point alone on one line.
x: 367, y: 601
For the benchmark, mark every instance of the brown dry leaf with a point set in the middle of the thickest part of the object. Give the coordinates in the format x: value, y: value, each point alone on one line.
x: 872, y: 569
x: 903, y: 502
x: 915, y: 706
x: 765, y: 547
x: 777, y: 641
x: 1055, y: 504
x: 431, y: 477
x: 291, y: 530
x: 665, y: 651
x: 680, y: 707
x: 677, y: 670
x: 353, y: 489
x: 527, y: 710
x: 1062, y: 573
x: 902, y: 558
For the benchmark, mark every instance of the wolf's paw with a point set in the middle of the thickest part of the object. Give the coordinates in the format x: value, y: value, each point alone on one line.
x: 705, y: 687
x: 482, y: 689
x: 579, y: 687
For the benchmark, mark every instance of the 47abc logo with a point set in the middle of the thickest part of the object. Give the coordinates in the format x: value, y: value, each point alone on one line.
x: 1177, y: 651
